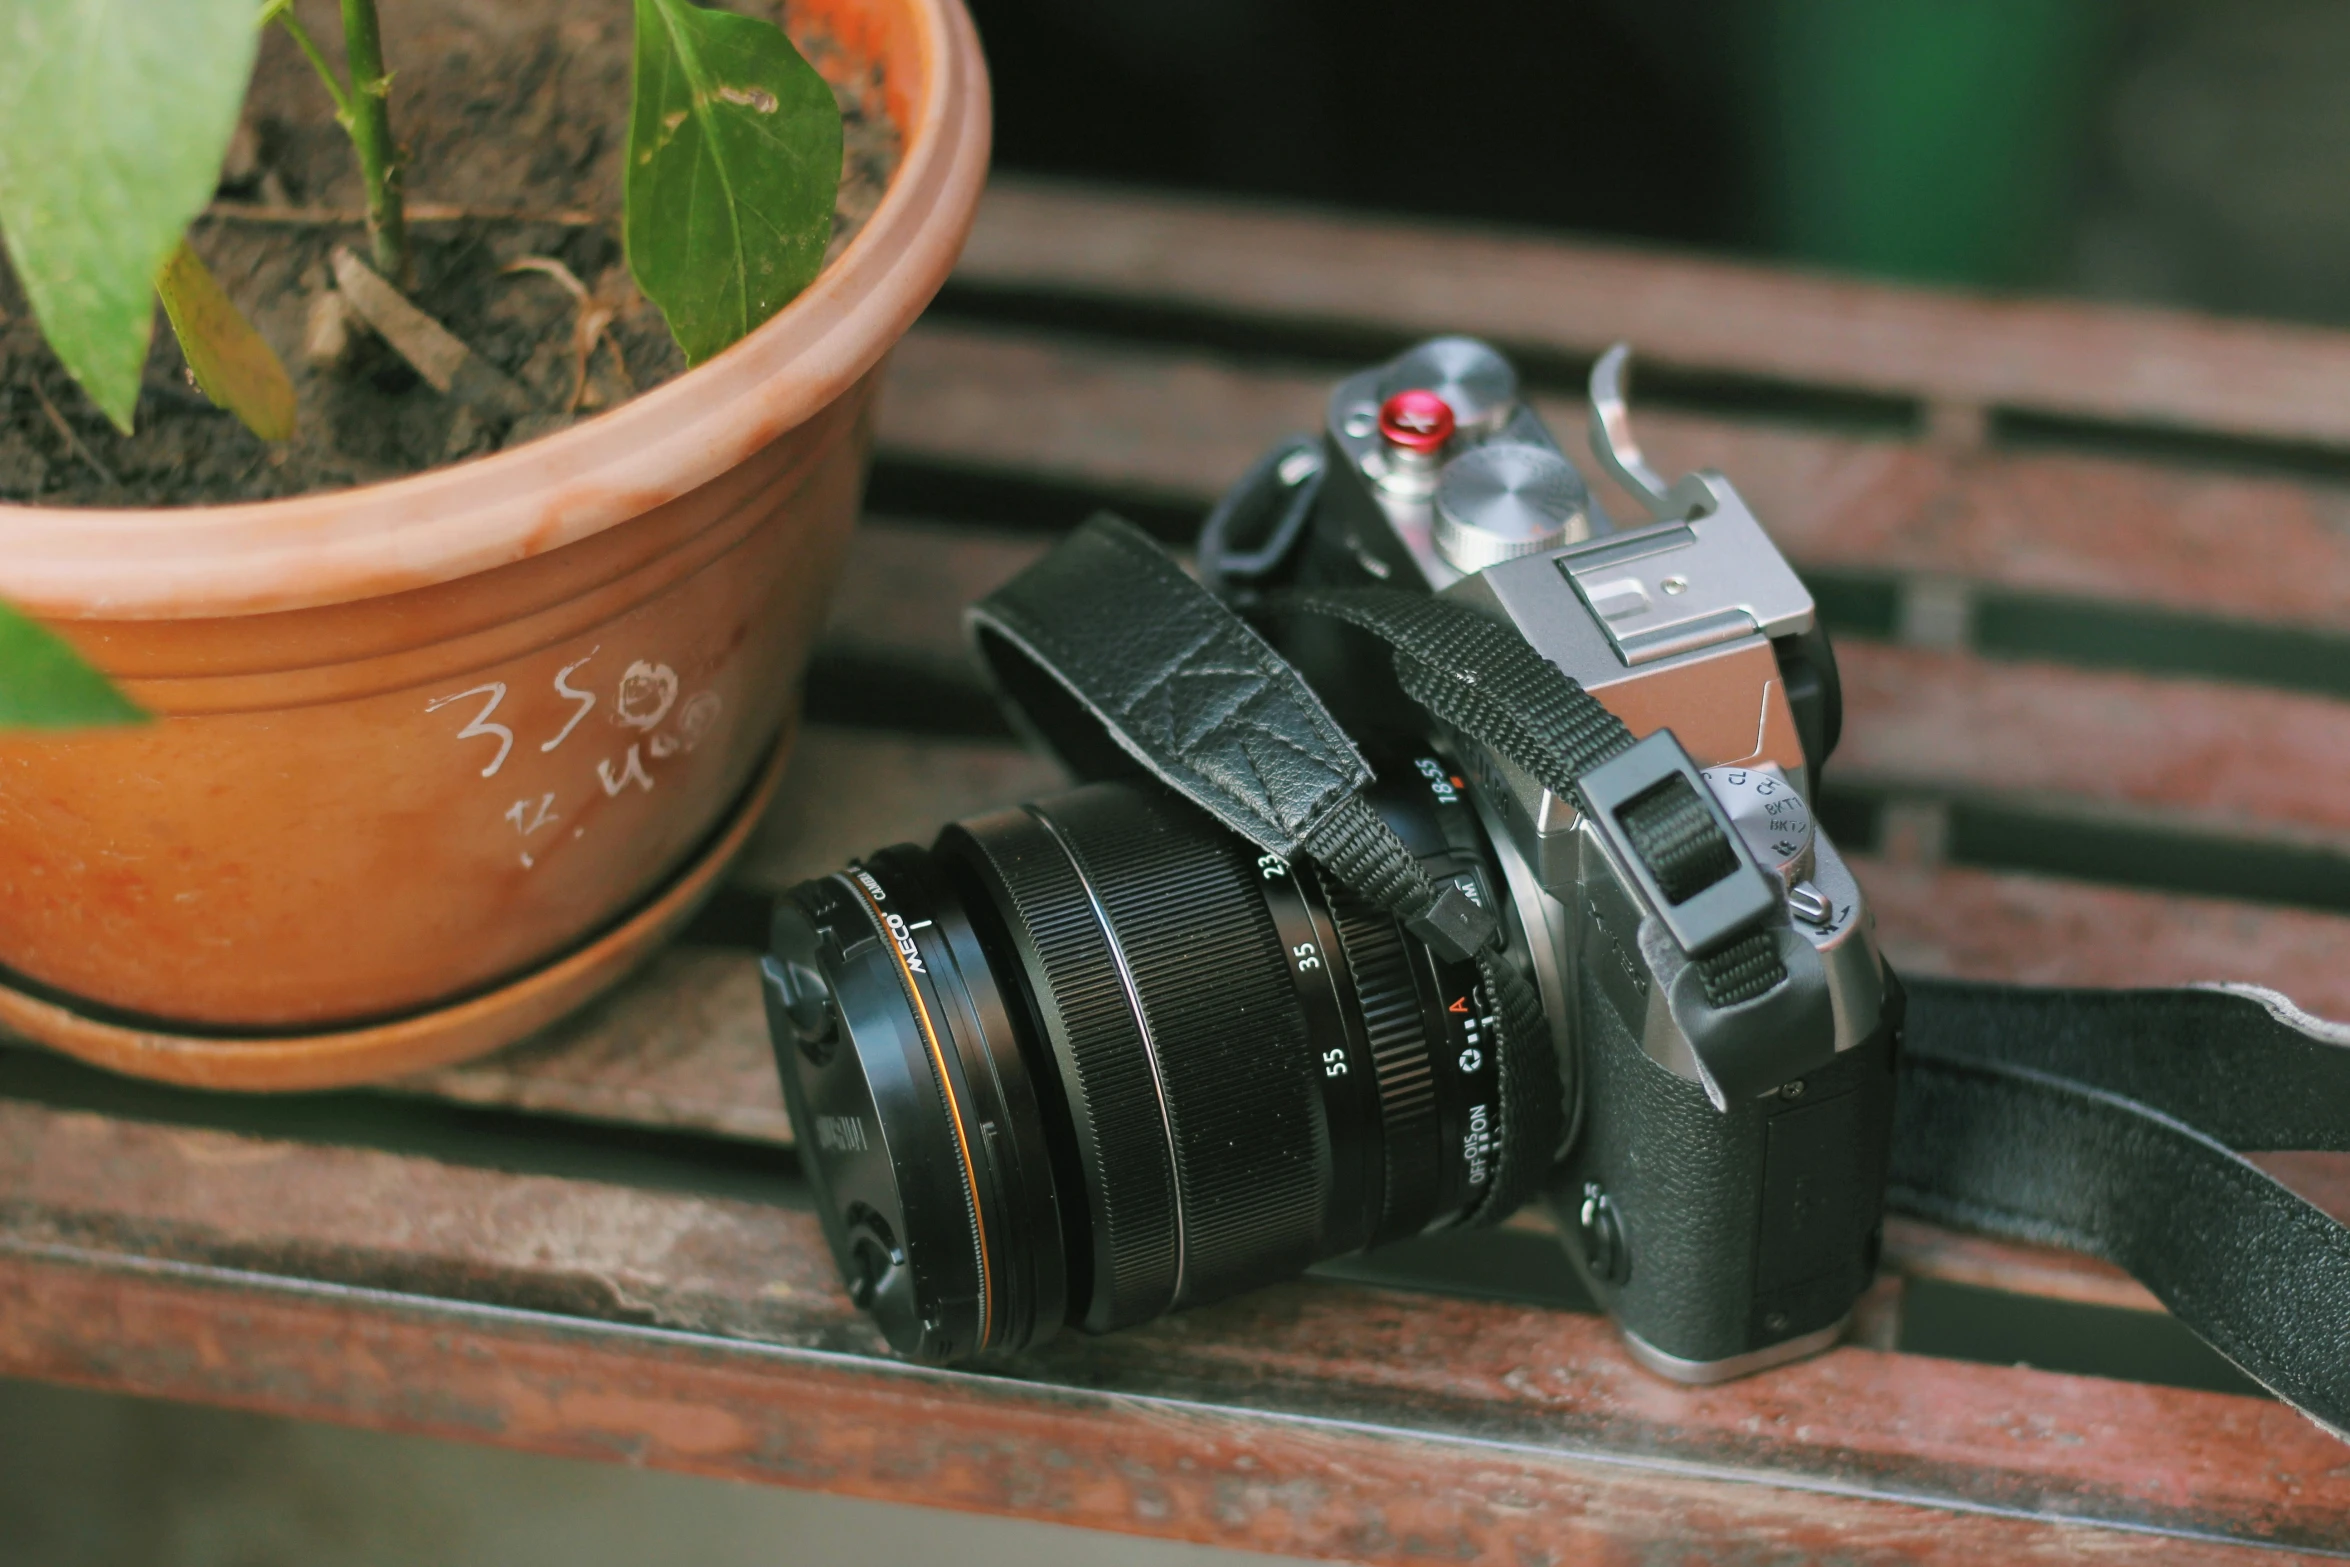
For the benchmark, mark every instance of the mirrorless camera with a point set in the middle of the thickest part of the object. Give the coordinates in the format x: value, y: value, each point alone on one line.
x: 1099, y: 1057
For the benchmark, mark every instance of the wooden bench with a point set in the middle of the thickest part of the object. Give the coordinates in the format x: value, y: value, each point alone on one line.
x: 2091, y: 575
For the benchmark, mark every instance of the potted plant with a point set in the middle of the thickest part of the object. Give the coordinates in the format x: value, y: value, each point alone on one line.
x: 472, y: 667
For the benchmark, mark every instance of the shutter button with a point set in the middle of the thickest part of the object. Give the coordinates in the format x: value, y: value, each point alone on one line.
x: 1415, y: 423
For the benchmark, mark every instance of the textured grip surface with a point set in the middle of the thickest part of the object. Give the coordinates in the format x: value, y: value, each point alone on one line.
x: 1743, y: 1228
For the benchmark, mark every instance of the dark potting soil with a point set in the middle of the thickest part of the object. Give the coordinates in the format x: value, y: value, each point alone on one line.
x: 515, y: 117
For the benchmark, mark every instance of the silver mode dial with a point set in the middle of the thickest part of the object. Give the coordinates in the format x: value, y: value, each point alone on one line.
x: 1505, y: 499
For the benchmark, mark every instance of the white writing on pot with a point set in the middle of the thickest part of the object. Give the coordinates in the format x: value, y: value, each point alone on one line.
x: 643, y: 699
x: 481, y: 725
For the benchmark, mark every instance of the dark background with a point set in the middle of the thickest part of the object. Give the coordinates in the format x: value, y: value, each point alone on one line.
x: 2164, y: 150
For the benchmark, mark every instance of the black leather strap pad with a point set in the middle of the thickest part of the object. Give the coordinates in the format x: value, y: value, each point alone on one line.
x: 1105, y: 646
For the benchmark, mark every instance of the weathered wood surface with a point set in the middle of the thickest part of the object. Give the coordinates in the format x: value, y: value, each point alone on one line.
x: 1170, y: 1465
x: 462, y: 1302
x: 1179, y: 425
x: 682, y: 1046
x: 678, y: 1310
x: 1400, y: 280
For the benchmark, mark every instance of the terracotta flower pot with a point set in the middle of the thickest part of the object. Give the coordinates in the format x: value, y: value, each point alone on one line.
x: 438, y: 759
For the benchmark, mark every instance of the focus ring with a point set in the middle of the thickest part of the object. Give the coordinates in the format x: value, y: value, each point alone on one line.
x: 1128, y: 1166
x: 1230, y: 1040
x: 1396, y: 1032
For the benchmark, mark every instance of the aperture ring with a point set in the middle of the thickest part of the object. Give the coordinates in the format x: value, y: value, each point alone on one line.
x: 1395, y: 1024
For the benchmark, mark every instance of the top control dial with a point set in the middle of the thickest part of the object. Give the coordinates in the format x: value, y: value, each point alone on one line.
x: 1476, y: 383
x: 1770, y: 816
x: 1505, y: 499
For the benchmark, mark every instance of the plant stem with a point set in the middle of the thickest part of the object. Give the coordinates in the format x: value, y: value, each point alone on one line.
x: 368, y: 118
x: 283, y: 15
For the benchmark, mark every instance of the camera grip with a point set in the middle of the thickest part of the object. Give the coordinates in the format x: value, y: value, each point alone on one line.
x: 1717, y: 1237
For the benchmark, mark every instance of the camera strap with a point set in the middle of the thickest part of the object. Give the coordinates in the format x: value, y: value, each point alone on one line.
x: 1114, y: 658
x: 2112, y: 1122
x: 2115, y: 1122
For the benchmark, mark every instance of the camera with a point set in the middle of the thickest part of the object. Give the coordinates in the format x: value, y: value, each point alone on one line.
x: 1100, y: 1057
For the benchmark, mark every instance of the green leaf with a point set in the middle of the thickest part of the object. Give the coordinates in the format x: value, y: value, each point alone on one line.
x: 45, y: 684
x: 734, y: 146
x: 114, y: 117
x: 233, y: 366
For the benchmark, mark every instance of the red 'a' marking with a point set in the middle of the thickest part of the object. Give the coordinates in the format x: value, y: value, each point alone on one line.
x: 1461, y: 1005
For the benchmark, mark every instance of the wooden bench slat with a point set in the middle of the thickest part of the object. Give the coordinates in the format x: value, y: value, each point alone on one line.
x: 1917, y: 1250
x: 1295, y: 1484
x: 2264, y: 380
x: 2038, y: 930
x: 681, y: 1046
x: 906, y: 582
x: 1471, y: 1383
x: 902, y: 593
x: 1182, y: 426
x: 2187, y: 753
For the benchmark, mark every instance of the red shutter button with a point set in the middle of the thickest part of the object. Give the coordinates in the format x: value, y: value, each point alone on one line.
x: 1418, y: 421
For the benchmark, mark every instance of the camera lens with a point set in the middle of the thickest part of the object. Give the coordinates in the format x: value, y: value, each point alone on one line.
x: 1097, y: 1058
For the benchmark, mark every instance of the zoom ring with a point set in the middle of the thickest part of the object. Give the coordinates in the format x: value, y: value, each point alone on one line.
x: 1396, y: 1033
x: 1229, y: 1035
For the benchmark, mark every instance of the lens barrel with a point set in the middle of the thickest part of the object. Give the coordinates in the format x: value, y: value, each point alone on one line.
x: 1097, y: 1058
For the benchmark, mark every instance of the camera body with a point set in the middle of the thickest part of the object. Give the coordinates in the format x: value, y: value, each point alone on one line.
x: 1721, y: 1184
x: 1121, y: 1051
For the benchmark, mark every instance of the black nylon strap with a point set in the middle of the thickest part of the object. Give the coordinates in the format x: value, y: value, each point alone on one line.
x: 1481, y: 677
x: 2114, y: 1122
x: 1489, y: 683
